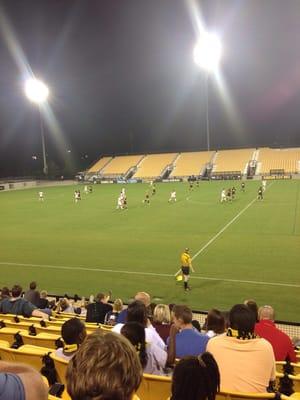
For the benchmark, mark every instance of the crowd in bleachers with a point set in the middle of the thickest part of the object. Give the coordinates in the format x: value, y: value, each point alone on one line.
x: 99, y: 349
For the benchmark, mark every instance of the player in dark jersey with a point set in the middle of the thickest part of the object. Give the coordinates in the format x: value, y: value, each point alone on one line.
x: 233, y: 190
x: 243, y: 186
x: 153, y: 189
x: 146, y: 199
x: 191, y: 186
x: 260, y: 192
x: 228, y: 194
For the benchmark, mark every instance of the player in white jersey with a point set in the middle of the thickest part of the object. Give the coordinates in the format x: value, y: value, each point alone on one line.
x: 172, y: 196
x: 76, y: 196
x: 264, y: 184
x: 120, y: 202
x: 41, y: 196
x: 223, y: 196
x: 86, y: 190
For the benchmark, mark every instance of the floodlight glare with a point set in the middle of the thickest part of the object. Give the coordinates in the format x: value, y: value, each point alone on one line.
x: 36, y: 91
x: 208, y: 52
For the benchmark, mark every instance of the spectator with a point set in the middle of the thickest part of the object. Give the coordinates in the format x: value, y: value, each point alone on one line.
x: 18, y: 306
x: 43, y: 302
x: 196, y: 378
x: 282, y: 345
x: 196, y: 325
x: 105, y: 367
x: 253, y: 307
x: 215, y: 323
x: 246, y: 363
x: 96, y: 311
x: 32, y: 295
x: 112, y: 316
x: 21, y: 382
x: 186, y: 339
x: 162, y: 321
x: 73, y: 333
x: 5, y: 293
x: 140, y: 296
x: 65, y: 306
x: 153, y: 358
x: 136, y: 312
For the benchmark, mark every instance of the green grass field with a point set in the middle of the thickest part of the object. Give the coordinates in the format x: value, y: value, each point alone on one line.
x: 89, y: 247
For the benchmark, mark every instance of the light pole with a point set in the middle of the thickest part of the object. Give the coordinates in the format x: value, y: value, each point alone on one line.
x: 37, y: 92
x: 207, y: 55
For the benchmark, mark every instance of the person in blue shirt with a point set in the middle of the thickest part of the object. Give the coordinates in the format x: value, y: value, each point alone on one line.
x: 184, y: 339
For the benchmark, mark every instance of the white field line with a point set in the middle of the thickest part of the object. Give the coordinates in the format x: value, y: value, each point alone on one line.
x: 97, y: 270
x: 222, y: 230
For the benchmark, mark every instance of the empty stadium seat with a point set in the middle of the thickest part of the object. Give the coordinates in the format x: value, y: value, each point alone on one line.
x: 31, y: 355
x: 232, y: 160
x: 192, y: 163
x: 153, y: 165
x: 48, y: 340
x: 97, y: 166
x: 61, y: 367
x: 154, y: 387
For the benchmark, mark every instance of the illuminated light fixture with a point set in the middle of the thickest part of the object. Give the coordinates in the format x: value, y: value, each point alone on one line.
x: 208, y: 52
x: 36, y: 91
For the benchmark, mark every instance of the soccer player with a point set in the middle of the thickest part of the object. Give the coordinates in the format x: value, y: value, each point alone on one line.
x: 41, y: 196
x: 172, y: 197
x: 264, y: 185
x: 243, y: 186
x: 153, y: 189
x: 147, y: 198
x: 120, y: 203
x: 90, y: 189
x: 228, y: 194
x: 191, y: 186
x: 86, y: 190
x: 77, y: 196
x: 233, y: 190
x: 260, y: 193
x: 223, y: 196
x: 186, y: 266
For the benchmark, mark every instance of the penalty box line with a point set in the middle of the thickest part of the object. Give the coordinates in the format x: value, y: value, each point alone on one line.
x: 97, y: 270
x: 222, y: 230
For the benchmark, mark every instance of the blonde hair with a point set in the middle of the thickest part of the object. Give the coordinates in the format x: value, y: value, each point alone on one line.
x: 162, y: 314
x: 118, y: 305
x: 105, y: 366
x: 143, y: 297
x: 43, y: 294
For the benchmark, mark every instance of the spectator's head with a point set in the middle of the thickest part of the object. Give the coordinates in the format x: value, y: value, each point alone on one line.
x: 100, y: 297
x: 105, y: 367
x: 118, y: 305
x: 43, y: 294
x: 215, y: 321
x: 253, y: 307
x: 64, y: 304
x: 162, y: 314
x: 242, y: 320
x: 73, y: 331
x: 196, y: 378
x: 32, y: 285
x: 5, y: 292
x: 143, y: 297
x: 137, y: 312
x: 135, y: 333
x: 182, y: 315
x: 16, y: 291
x: 266, y: 312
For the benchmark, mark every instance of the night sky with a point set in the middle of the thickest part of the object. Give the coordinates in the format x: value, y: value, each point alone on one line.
x: 123, y: 80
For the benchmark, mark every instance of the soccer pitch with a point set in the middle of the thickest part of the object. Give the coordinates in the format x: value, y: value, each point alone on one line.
x: 246, y: 248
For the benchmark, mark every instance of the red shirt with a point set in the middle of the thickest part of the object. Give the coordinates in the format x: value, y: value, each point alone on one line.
x: 280, y: 341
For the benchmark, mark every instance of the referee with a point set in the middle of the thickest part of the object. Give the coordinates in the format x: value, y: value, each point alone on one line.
x: 186, y: 265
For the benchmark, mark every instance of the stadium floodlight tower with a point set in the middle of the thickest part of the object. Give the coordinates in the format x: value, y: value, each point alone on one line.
x: 37, y: 92
x: 207, y: 55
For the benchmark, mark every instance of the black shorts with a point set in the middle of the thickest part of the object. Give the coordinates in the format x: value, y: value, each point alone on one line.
x: 185, y: 270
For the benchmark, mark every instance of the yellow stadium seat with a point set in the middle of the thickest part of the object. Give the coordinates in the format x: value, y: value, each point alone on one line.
x: 154, y: 387
x: 247, y: 396
x: 296, y: 382
x: 8, y: 334
x: 296, y: 367
x: 31, y: 355
x: 55, y: 330
x: 280, y: 366
x: 41, y: 339
x: 61, y: 367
